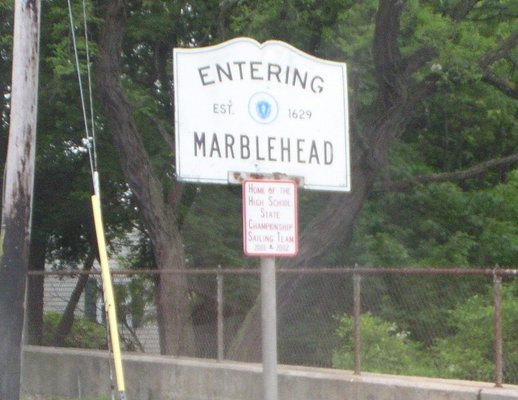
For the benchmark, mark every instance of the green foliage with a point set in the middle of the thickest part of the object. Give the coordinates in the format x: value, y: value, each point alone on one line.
x: 469, y: 352
x: 426, y: 227
x: 300, y: 22
x: 213, y: 219
x: 384, y: 348
x: 307, y: 336
x: 62, y: 217
x: 84, y: 334
x: 132, y: 298
x: 465, y: 352
x: 463, y: 122
x: 494, y: 217
x: 349, y: 39
x: 440, y: 225
x: 212, y: 233
x: 436, y: 225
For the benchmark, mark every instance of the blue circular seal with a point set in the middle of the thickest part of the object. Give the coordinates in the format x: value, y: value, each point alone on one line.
x: 263, y: 108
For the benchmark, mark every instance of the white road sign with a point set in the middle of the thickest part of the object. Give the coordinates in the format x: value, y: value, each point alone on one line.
x: 270, y: 218
x: 247, y: 107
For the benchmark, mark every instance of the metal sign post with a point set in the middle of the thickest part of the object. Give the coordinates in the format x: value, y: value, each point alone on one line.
x: 269, y: 328
x: 264, y: 110
x: 270, y: 229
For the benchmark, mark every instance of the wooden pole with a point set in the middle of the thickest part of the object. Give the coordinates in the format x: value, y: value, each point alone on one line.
x: 17, y: 193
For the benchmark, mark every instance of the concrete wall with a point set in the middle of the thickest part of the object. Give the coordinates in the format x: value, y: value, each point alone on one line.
x: 82, y: 374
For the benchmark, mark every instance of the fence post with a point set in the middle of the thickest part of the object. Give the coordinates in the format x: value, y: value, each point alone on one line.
x: 220, y: 333
x: 497, y: 287
x: 357, y: 322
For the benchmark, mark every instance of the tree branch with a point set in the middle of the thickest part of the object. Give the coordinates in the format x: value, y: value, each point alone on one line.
x: 418, y: 59
x: 462, y: 9
x: 166, y: 134
x: 500, y: 52
x: 67, y: 319
x: 225, y: 6
x: 386, y: 52
x: 460, y: 175
x: 506, y: 86
x: 388, y: 116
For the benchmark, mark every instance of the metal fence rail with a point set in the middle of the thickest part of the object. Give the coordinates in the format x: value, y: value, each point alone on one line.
x: 416, y: 307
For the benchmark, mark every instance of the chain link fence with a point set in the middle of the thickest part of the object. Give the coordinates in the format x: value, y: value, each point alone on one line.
x: 449, y: 323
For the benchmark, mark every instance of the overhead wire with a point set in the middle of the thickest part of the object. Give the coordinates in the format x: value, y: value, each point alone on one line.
x: 90, y: 138
x: 90, y: 91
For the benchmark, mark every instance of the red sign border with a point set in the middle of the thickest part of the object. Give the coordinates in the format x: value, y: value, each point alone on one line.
x: 296, y: 222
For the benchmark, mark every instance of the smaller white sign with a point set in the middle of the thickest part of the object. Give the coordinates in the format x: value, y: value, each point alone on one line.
x: 270, y: 218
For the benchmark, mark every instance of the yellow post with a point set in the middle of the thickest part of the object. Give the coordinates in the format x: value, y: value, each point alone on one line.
x: 109, y: 299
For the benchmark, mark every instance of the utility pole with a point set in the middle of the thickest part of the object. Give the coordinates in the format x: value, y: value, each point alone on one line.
x: 17, y: 193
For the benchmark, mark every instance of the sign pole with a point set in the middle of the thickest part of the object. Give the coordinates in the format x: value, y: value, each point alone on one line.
x: 267, y: 110
x: 270, y: 229
x: 269, y: 328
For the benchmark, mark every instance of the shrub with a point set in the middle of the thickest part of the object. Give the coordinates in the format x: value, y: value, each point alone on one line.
x: 384, y: 348
x: 84, y: 333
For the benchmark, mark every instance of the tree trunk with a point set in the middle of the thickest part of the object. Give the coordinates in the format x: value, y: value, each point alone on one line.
x: 335, y: 223
x: 17, y: 195
x: 175, y: 325
x: 67, y: 319
x: 369, y: 151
